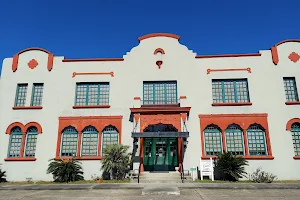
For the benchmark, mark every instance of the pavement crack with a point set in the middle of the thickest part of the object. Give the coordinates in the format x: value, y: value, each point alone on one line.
x: 202, y: 195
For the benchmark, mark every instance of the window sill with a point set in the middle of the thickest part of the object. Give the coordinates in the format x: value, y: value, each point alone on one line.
x: 20, y: 159
x: 27, y: 107
x: 87, y: 107
x: 232, y: 104
x: 80, y: 158
x: 292, y: 103
x: 246, y: 157
x: 296, y: 157
x: 160, y: 105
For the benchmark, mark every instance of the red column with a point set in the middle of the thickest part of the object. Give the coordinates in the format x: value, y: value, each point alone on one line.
x: 180, y: 160
x: 99, y: 144
x: 79, y: 144
x: 142, y: 154
x: 23, y: 145
x: 245, y: 142
x: 223, y: 141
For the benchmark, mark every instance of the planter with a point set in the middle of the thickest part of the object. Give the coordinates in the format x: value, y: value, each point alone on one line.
x: 100, y: 180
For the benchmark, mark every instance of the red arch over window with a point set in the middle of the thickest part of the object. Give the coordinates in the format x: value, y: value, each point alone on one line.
x: 35, y: 124
x: 290, y: 123
x: 11, y: 126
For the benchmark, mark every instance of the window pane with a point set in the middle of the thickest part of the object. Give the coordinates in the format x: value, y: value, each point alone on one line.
x: 256, y: 141
x: 110, y: 136
x: 37, y: 94
x: 212, y: 140
x: 69, y: 142
x: 21, y: 95
x: 234, y: 140
x: 89, y: 142
x: 290, y: 89
x: 15, y: 142
x: 296, y: 138
x: 31, y: 139
x: 160, y: 92
x: 92, y: 94
x: 230, y: 91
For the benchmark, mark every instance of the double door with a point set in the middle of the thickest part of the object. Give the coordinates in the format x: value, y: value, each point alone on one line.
x: 160, y: 154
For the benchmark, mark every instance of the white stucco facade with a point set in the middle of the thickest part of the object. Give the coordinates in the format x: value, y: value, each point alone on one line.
x: 265, y: 85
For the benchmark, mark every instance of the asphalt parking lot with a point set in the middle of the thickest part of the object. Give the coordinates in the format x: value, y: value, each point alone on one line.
x: 134, y: 194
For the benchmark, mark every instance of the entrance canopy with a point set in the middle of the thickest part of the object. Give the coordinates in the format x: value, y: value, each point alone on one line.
x: 159, y: 134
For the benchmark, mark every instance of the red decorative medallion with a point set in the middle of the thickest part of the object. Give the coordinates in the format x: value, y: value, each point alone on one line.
x: 32, y: 64
x: 294, y: 57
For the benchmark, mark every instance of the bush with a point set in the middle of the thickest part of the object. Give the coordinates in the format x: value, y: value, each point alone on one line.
x: 260, y: 176
x: 2, y: 176
x: 230, y: 167
x: 68, y: 170
x: 116, y: 162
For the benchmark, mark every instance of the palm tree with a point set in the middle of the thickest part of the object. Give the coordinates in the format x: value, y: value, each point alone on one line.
x: 65, y: 170
x: 2, y: 176
x: 116, y: 161
x: 230, y: 167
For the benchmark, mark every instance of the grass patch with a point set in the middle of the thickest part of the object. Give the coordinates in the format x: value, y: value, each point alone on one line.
x: 76, y: 182
x: 242, y: 181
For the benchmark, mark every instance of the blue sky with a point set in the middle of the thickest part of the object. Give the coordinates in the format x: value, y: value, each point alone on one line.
x: 98, y: 28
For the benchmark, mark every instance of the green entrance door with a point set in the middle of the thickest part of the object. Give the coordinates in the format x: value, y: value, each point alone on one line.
x: 160, y: 154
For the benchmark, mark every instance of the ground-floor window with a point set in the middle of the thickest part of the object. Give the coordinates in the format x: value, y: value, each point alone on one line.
x: 296, y: 137
x: 234, y: 139
x: 213, y: 140
x: 256, y: 140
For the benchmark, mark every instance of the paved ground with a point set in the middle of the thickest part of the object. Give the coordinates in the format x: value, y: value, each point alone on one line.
x: 135, y: 194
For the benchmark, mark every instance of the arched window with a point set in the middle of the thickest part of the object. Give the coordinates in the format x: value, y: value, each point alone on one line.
x: 234, y: 139
x: 110, y: 135
x: 296, y: 137
x: 212, y: 140
x: 15, y: 143
x: 31, y: 138
x: 89, y: 141
x: 256, y: 140
x: 69, y: 142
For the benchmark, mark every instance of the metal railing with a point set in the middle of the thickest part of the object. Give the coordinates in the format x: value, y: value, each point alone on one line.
x: 182, y: 173
x: 139, y: 173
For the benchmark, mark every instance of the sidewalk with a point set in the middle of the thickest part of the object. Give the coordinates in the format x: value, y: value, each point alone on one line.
x: 141, y: 186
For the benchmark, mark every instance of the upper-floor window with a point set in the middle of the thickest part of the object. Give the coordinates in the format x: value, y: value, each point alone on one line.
x: 88, y: 94
x: 21, y: 95
x: 160, y: 92
x: 230, y: 91
x: 290, y: 88
x: 37, y: 94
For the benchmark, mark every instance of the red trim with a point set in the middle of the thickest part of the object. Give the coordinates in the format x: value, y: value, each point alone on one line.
x: 246, y: 157
x: 80, y: 122
x: 208, y: 71
x: 290, y: 122
x: 112, y: 74
x: 158, y: 35
x: 20, y: 159
x: 232, y: 104
x: 244, y: 121
x: 230, y: 55
x: 274, y: 53
x: 182, y: 97
x: 288, y: 40
x: 159, y: 105
x: 27, y: 107
x: 296, y: 157
x: 157, y: 110
x: 35, y: 124
x: 92, y: 59
x: 86, y: 107
x: 292, y: 103
x: 16, y: 57
x: 137, y: 98
x: 159, y: 50
x: 12, y: 125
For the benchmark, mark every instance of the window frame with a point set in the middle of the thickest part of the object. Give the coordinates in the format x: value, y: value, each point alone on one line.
x: 99, y: 94
x: 297, y: 130
x: 111, y: 131
x: 264, y: 138
x: 82, y: 141
x: 165, y: 94
x: 33, y: 94
x: 64, y: 132
x: 212, y: 131
x: 238, y: 129
x: 235, y: 92
x: 295, y: 89
x: 17, y: 95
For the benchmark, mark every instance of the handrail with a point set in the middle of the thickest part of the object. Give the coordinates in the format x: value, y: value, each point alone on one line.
x: 139, y: 173
x: 182, y: 173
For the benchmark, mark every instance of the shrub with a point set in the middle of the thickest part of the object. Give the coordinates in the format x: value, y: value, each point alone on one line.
x: 116, y: 161
x: 65, y: 170
x: 2, y: 176
x: 259, y: 176
x: 230, y: 167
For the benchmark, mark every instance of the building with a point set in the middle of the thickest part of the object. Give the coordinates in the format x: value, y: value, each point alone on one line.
x: 172, y: 105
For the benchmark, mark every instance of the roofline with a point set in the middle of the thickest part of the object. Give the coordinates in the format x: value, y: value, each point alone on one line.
x: 170, y: 35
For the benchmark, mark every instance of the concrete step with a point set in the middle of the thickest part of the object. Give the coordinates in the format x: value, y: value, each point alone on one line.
x: 162, y: 177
